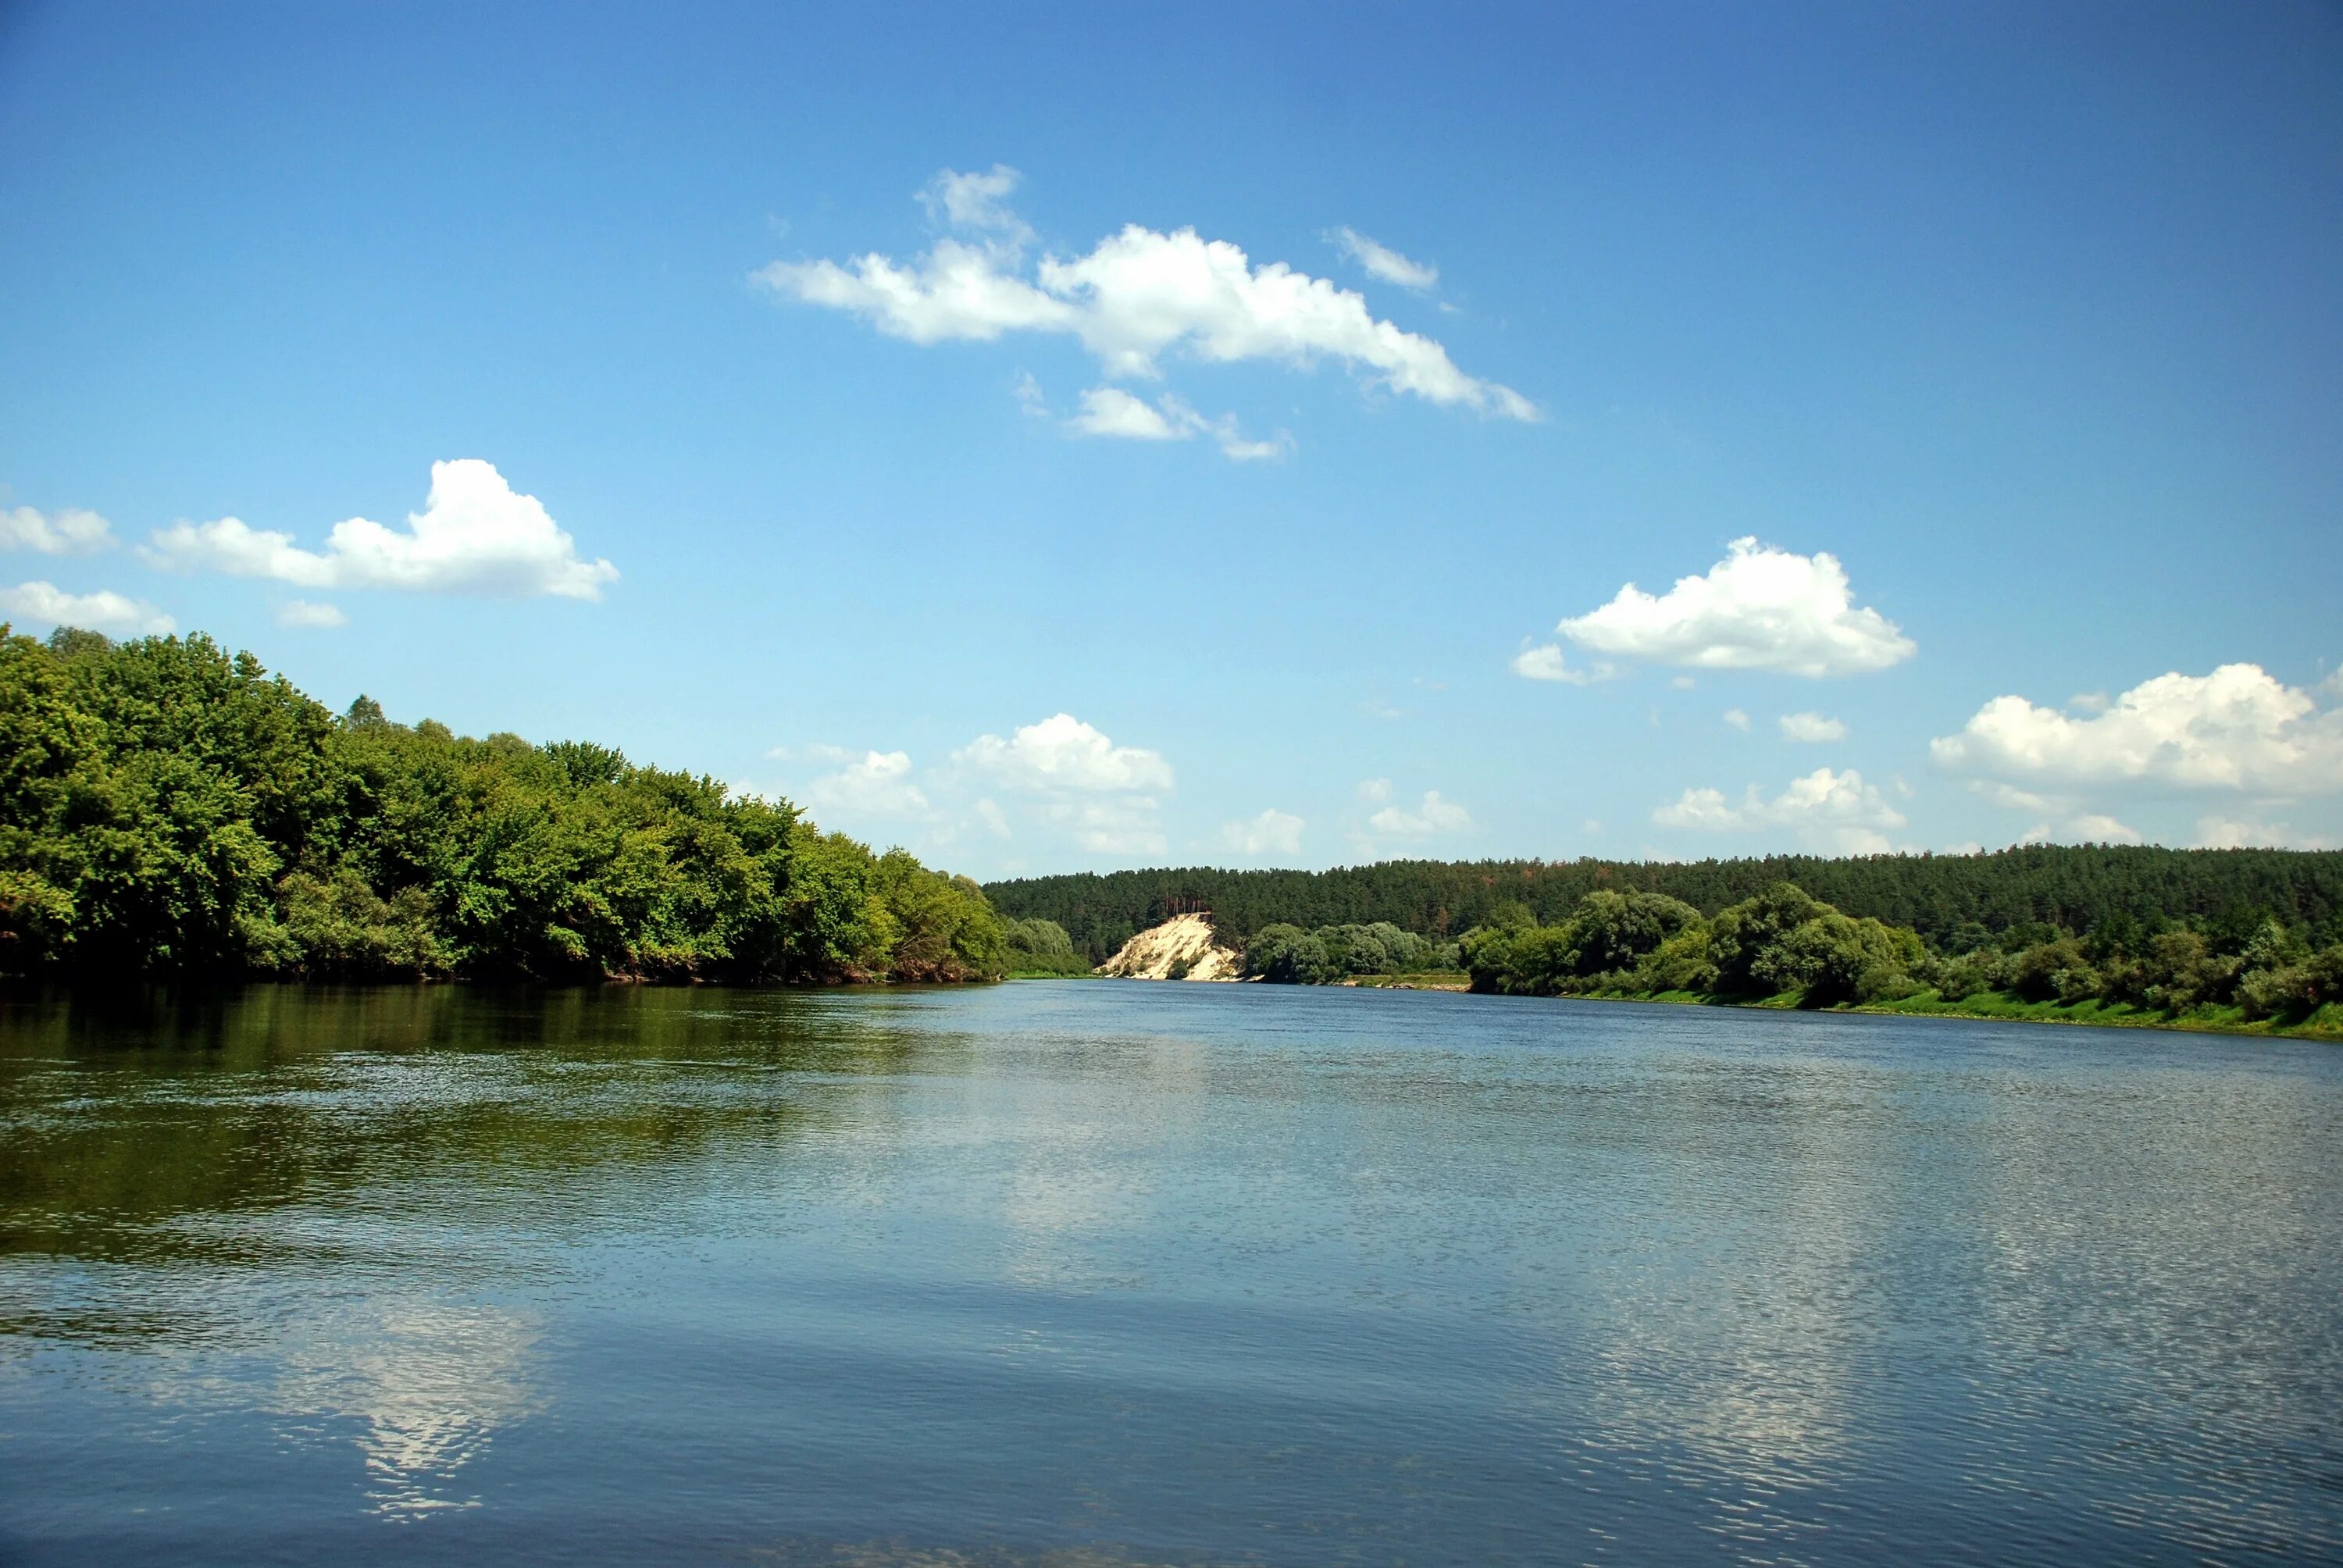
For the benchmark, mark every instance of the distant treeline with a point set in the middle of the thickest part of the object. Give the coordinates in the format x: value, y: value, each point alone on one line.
x: 166, y: 808
x: 1956, y: 902
x: 1788, y: 948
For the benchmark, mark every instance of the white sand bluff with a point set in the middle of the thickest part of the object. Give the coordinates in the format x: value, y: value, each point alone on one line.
x: 1182, y: 947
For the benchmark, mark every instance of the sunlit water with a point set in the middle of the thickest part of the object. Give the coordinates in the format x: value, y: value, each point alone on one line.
x: 1096, y: 1274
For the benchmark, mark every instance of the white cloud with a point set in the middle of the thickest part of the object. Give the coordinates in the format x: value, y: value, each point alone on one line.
x: 1812, y: 727
x: 989, y: 812
x: 70, y: 532
x: 1136, y: 297
x: 1738, y: 719
x: 104, y: 610
x: 2236, y: 729
x: 1274, y: 832
x: 1836, y: 813
x: 2061, y: 819
x: 1546, y: 663
x: 1680, y: 682
x: 1110, y: 827
x: 309, y: 614
x: 1114, y: 412
x: 2230, y: 833
x: 1375, y: 791
x: 977, y: 201
x: 475, y: 534
x: 1028, y: 395
x: 1382, y: 261
x: 875, y: 784
x: 2015, y: 799
x: 1062, y: 753
x: 1433, y: 815
x: 1758, y: 609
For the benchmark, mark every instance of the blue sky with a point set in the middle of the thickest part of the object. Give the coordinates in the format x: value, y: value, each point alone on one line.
x: 1063, y: 538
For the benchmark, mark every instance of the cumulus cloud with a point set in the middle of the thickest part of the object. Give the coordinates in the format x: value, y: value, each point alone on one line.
x: 1759, y: 608
x: 1113, y: 412
x: 2237, y: 729
x: 1812, y: 727
x: 1834, y: 813
x: 1432, y: 817
x: 1738, y: 719
x: 1136, y: 298
x: 301, y: 613
x: 2218, y: 832
x: 1110, y: 827
x: 1382, y: 261
x: 475, y: 534
x: 1059, y: 774
x: 1274, y: 832
x: 1062, y: 753
x: 2061, y: 820
x: 104, y: 610
x: 1546, y: 663
x: 70, y: 532
x: 874, y: 784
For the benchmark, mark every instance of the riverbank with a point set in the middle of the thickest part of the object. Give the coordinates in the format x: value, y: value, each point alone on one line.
x: 2324, y: 1024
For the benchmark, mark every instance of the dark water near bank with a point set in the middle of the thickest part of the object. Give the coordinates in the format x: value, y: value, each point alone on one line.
x: 1110, y: 1273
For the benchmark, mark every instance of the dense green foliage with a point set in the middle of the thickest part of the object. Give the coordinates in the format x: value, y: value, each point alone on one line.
x: 166, y: 807
x: 1783, y: 943
x: 1948, y: 899
x: 1288, y: 955
x: 1036, y: 948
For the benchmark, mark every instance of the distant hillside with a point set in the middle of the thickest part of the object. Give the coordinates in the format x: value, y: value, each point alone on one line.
x: 2070, y: 888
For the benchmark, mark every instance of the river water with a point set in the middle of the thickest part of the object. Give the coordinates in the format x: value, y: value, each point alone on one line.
x: 1109, y: 1272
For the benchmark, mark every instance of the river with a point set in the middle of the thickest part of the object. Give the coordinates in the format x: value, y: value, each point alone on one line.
x: 1111, y: 1273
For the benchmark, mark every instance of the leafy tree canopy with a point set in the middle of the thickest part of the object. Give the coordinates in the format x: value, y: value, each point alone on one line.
x: 167, y: 807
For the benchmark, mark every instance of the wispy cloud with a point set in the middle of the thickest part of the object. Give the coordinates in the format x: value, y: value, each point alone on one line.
x: 1382, y: 262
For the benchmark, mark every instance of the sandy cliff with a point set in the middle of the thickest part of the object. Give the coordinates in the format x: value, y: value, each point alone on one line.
x: 1182, y: 947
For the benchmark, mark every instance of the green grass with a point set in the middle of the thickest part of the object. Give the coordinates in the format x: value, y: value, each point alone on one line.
x: 2324, y: 1024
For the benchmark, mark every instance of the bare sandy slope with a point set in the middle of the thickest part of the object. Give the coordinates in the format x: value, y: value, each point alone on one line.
x: 1156, y: 952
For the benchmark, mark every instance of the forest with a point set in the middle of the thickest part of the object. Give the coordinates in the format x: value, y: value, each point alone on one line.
x: 2097, y: 934
x: 1955, y: 903
x: 167, y: 809
x: 1787, y: 947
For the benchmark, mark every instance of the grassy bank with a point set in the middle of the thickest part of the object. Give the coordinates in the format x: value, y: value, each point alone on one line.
x: 1029, y: 965
x: 1428, y: 979
x: 2324, y: 1024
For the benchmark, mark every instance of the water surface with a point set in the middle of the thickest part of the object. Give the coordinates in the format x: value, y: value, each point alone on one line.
x: 1102, y: 1273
